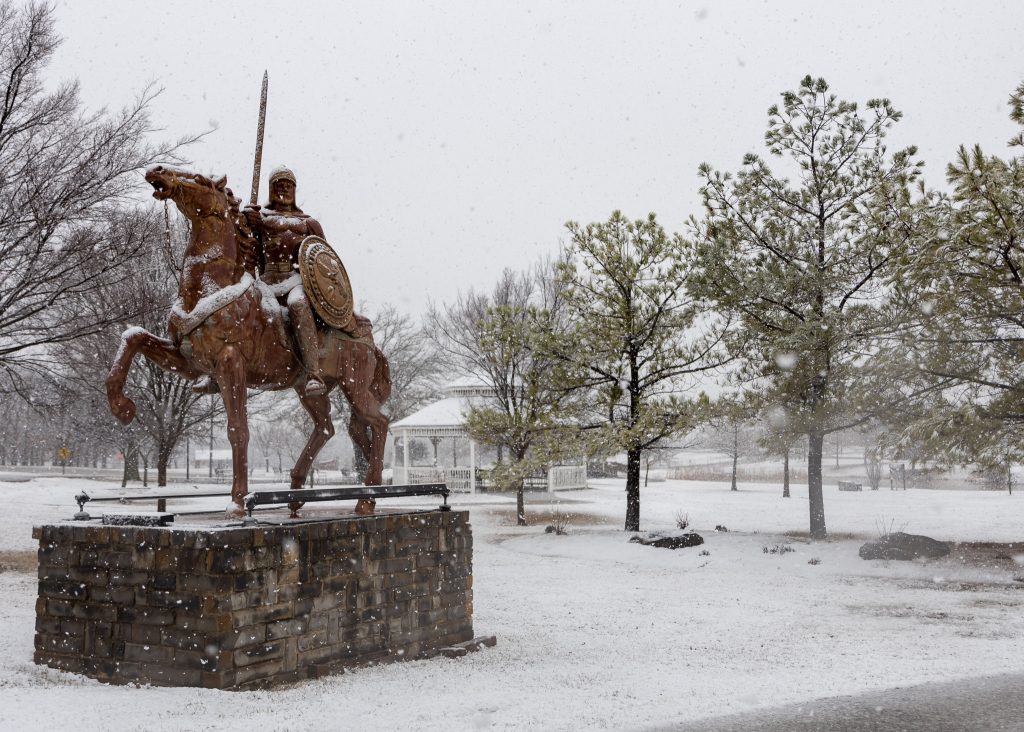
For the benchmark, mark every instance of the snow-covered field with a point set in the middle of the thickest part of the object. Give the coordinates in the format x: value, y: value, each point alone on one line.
x: 597, y: 633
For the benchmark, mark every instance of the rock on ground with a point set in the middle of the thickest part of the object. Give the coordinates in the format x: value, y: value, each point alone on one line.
x: 680, y: 541
x: 902, y: 546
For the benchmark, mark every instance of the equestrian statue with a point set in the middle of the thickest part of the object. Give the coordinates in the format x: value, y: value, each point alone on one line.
x: 264, y: 303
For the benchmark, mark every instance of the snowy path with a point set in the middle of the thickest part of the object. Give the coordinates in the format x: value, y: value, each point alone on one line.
x: 990, y: 703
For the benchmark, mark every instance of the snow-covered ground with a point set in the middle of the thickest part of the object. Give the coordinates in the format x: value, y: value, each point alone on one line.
x: 597, y: 633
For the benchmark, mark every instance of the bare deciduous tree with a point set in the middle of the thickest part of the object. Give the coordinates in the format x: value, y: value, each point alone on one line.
x: 497, y: 338
x: 62, y: 171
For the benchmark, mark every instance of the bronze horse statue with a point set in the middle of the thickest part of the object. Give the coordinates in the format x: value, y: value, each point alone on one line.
x: 228, y: 326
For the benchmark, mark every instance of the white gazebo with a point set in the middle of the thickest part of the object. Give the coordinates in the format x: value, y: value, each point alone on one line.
x: 445, y: 420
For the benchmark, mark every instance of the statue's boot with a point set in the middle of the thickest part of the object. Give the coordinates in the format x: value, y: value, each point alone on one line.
x: 305, y: 332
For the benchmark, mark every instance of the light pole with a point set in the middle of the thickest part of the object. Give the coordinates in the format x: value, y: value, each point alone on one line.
x: 210, y: 466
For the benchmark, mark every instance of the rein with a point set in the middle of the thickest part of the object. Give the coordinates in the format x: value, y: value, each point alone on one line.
x: 168, y: 248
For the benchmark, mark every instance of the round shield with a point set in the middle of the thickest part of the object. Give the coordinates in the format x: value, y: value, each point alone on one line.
x: 326, y: 282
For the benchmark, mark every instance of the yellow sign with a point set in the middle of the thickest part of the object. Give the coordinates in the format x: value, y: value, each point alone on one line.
x: 64, y: 454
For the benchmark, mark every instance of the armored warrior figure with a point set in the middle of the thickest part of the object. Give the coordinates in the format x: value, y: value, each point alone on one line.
x: 279, y: 228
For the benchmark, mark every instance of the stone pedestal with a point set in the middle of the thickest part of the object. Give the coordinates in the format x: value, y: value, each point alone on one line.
x: 223, y: 607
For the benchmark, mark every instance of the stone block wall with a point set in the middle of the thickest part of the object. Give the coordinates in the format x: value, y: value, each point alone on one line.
x: 236, y: 607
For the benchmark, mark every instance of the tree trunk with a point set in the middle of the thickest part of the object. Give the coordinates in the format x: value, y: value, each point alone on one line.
x: 735, y: 457
x: 131, y: 465
x: 520, y: 504
x: 518, y: 455
x: 816, y: 500
x: 145, y: 470
x: 633, y: 490
x: 163, y: 457
x: 785, y: 474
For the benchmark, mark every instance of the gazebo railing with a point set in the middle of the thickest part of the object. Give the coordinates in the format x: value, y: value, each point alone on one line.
x: 458, y: 479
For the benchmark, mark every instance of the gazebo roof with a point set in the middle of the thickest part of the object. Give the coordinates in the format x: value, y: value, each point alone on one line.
x: 447, y: 415
x: 448, y: 412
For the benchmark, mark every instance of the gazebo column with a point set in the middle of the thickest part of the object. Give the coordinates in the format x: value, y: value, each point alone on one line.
x: 472, y: 466
x: 405, y: 455
x: 394, y: 460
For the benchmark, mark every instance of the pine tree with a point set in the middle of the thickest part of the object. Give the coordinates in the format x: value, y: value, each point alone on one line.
x: 966, y: 284
x: 801, y: 263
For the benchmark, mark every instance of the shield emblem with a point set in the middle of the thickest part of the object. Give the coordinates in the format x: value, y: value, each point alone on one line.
x: 326, y: 282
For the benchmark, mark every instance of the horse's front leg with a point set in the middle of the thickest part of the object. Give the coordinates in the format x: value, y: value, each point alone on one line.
x: 160, y: 351
x: 319, y: 409
x: 231, y: 378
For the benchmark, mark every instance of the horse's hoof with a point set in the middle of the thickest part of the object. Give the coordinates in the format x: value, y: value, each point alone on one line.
x: 365, y: 506
x: 234, y: 511
x: 124, y: 410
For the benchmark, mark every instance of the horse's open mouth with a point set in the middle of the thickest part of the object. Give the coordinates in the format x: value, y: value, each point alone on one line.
x: 162, y: 182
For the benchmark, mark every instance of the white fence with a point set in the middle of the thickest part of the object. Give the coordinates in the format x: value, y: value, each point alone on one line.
x: 456, y: 478
x: 567, y: 477
x: 560, y: 477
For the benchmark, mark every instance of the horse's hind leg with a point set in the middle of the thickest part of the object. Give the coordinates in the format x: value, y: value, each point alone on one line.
x: 366, y: 413
x: 357, y: 431
x: 319, y: 409
x: 366, y: 409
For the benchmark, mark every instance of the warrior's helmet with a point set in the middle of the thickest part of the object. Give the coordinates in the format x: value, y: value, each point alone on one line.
x: 282, y: 173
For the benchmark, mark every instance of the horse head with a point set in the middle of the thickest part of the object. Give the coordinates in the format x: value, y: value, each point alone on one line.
x: 195, y: 195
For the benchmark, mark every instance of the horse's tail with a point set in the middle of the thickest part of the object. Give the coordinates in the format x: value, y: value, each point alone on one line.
x: 380, y: 387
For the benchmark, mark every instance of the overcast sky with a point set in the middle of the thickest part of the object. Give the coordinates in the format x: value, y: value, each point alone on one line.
x: 438, y: 143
